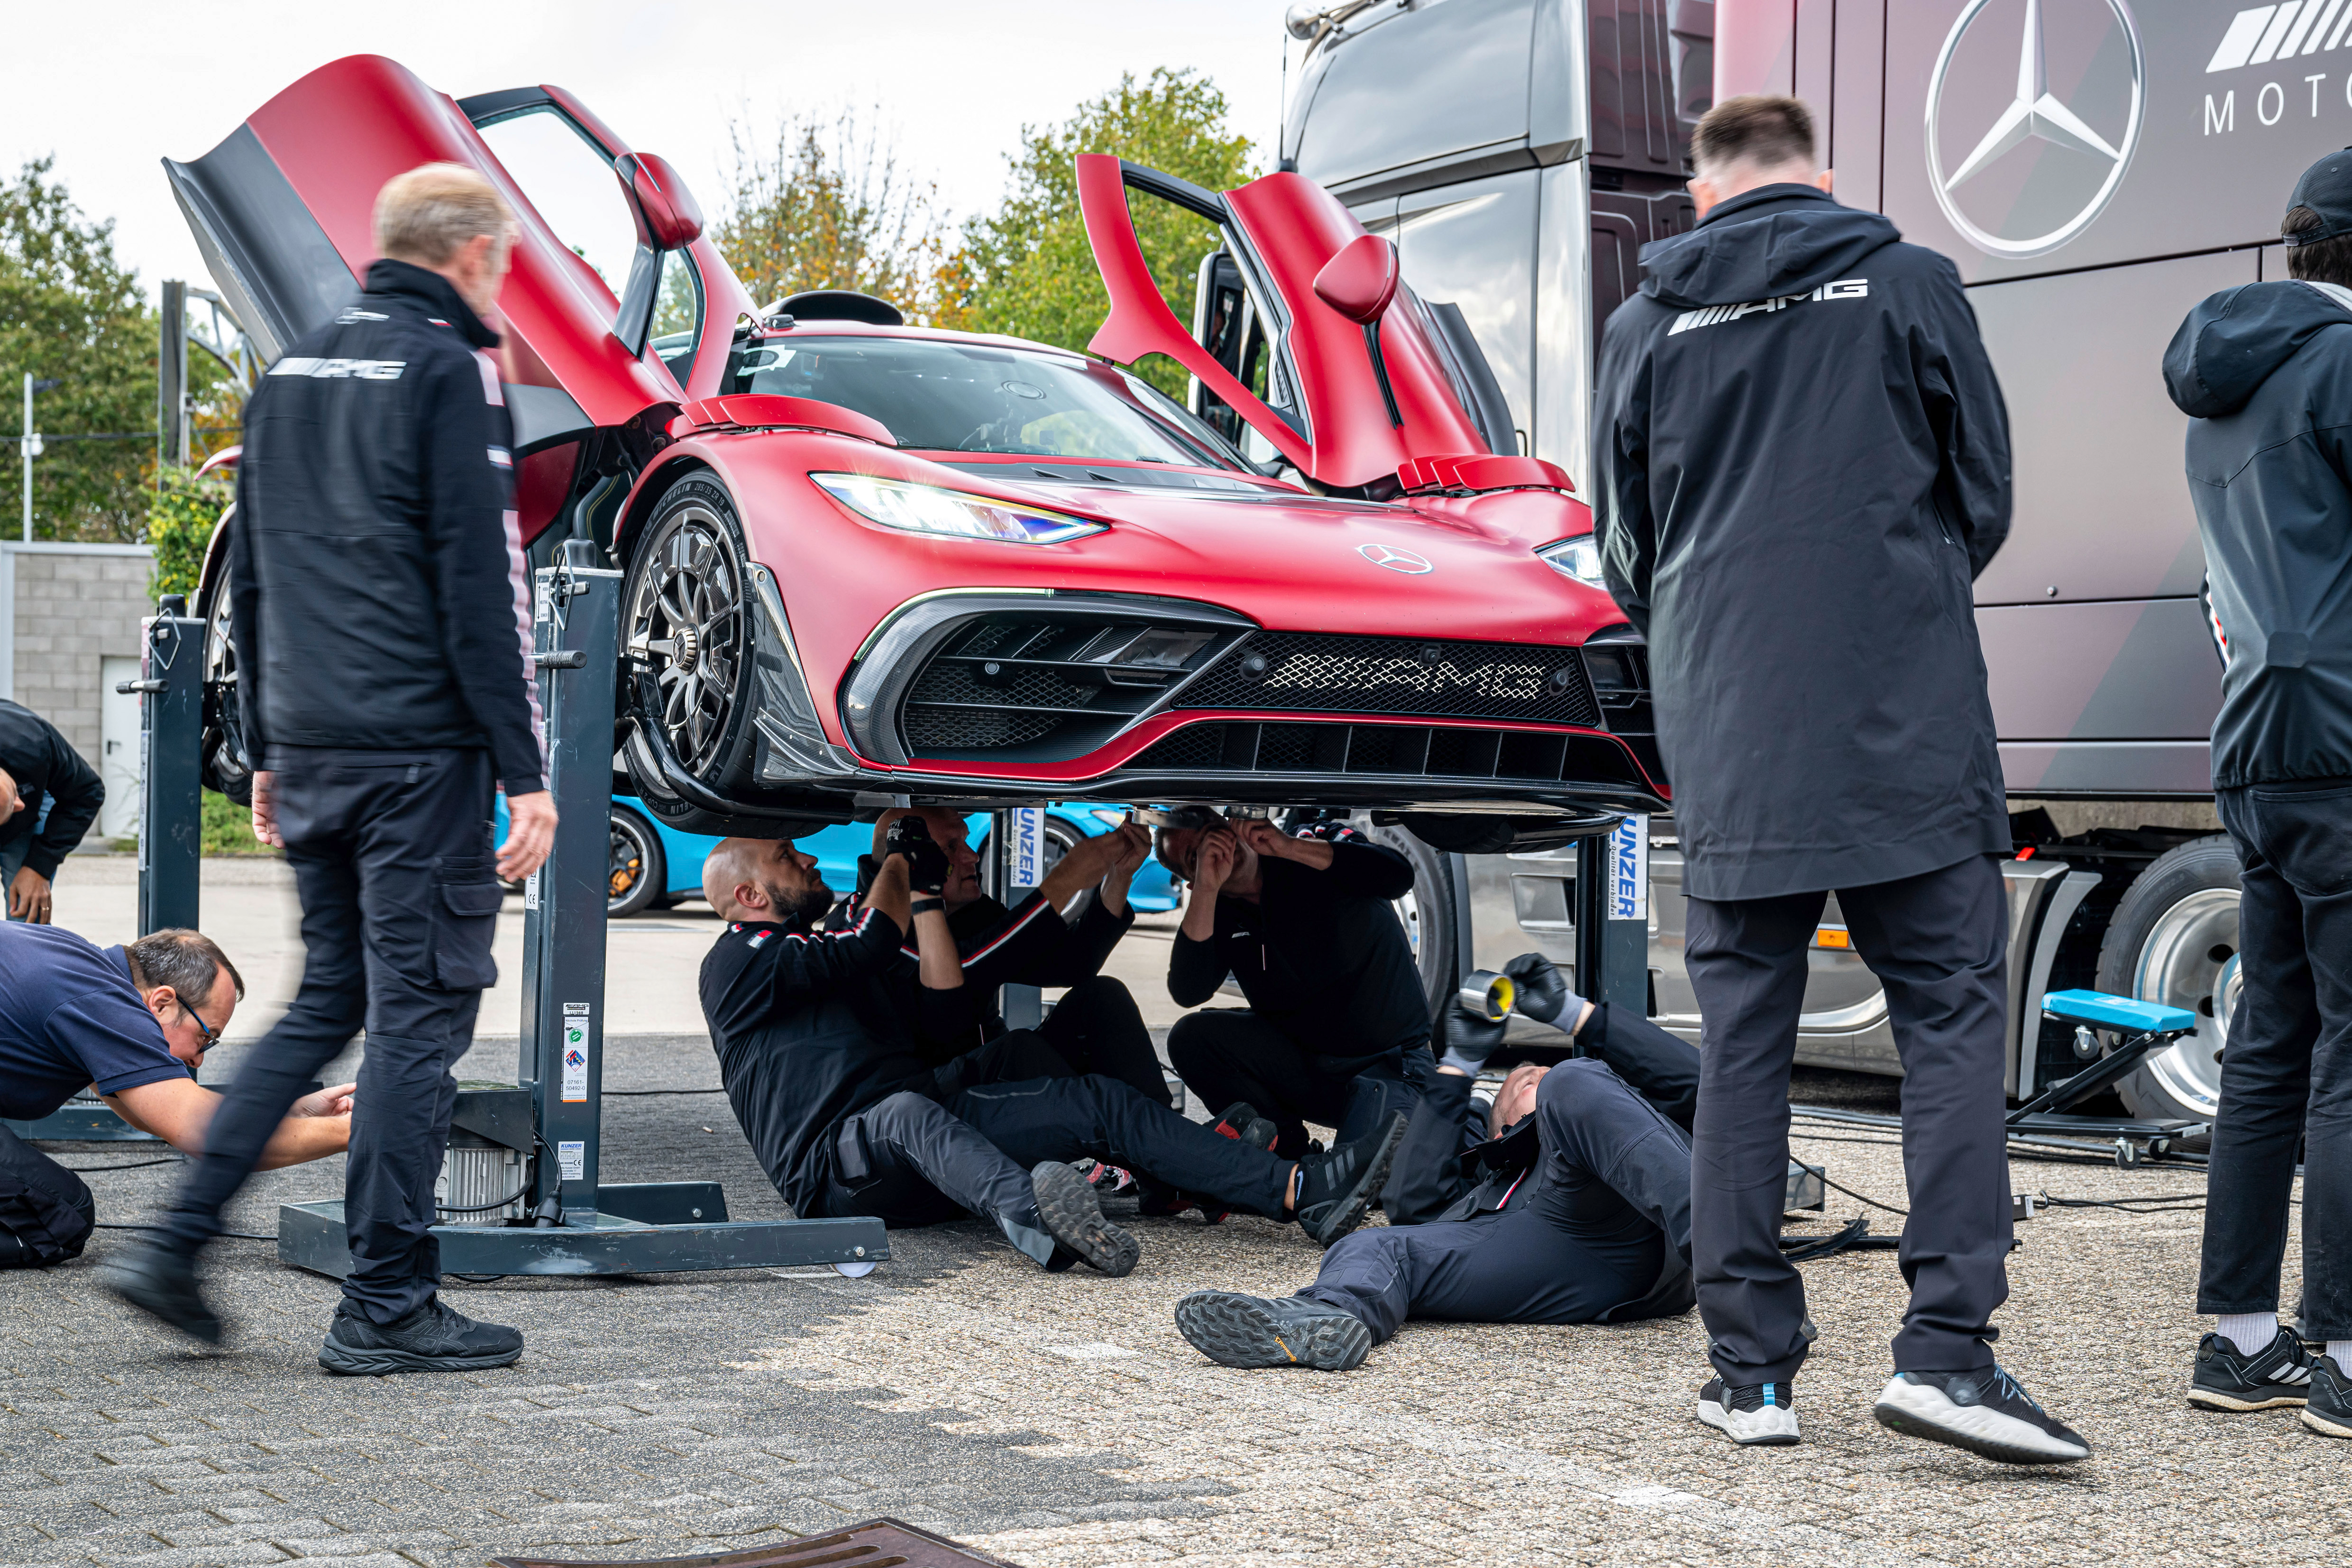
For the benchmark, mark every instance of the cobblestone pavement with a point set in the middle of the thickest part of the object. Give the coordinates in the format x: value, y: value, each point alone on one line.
x: 1061, y: 1421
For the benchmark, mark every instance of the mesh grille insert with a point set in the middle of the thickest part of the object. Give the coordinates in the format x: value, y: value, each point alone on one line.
x: 1321, y: 672
x: 1412, y: 751
x: 932, y: 729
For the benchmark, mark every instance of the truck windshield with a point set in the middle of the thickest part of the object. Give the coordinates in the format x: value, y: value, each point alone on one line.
x: 967, y: 397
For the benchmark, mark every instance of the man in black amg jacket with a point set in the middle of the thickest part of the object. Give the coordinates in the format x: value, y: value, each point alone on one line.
x: 1337, y: 1025
x: 382, y: 618
x: 39, y: 767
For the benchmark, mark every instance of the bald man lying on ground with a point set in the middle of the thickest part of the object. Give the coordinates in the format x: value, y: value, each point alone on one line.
x: 848, y: 1117
x: 134, y: 1024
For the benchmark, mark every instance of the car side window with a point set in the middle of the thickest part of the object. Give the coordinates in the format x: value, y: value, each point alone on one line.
x: 678, y: 314
x: 572, y: 183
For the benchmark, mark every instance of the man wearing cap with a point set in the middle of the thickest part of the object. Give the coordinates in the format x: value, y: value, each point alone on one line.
x: 2264, y: 372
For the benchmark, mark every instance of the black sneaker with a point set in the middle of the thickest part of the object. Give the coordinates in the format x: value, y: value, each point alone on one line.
x: 1167, y: 1203
x: 1752, y: 1414
x: 1233, y: 1330
x: 1337, y: 1190
x: 1241, y: 1121
x: 1983, y: 1410
x: 163, y: 1284
x: 1073, y: 1212
x: 2227, y: 1378
x: 2329, y: 1409
x: 433, y: 1338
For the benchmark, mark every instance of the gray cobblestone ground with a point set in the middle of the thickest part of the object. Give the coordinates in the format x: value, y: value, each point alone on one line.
x: 1061, y: 1421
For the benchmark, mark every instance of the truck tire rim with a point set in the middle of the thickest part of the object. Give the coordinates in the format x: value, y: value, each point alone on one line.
x: 688, y: 619
x: 1408, y: 911
x: 2190, y: 960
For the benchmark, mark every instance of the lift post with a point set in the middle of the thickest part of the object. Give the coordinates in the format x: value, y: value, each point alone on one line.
x: 569, y: 1220
x: 1612, y: 915
x: 1016, y: 865
x: 171, y: 691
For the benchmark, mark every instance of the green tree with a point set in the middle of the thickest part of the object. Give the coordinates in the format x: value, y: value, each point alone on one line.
x: 828, y: 207
x: 182, y: 511
x: 69, y: 311
x: 1028, y: 270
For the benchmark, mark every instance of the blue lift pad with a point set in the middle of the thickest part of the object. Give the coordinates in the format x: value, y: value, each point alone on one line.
x: 2119, y: 1012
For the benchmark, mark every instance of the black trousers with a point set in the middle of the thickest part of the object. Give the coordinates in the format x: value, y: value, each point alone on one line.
x: 2286, y: 1079
x: 1096, y: 1027
x: 1228, y: 1054
x: 911, y: 1160
x: 392, y: 858
x: 46, y: 1211
x: 1938, y: 943
x: 1587, y: 1239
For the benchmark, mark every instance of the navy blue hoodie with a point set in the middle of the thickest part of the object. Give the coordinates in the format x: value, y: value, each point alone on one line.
x: 1800, y: 461
x: 2264, y: 372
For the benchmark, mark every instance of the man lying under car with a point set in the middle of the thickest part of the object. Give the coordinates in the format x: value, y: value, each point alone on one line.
x: 131, y: 1023
x: 848, y: 1117
x: 1337, y: 1030
x: 1059, y: 935
x: 1567, y: 1203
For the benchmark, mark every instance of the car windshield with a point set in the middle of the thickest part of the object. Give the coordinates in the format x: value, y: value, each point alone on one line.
x: 971, y: 397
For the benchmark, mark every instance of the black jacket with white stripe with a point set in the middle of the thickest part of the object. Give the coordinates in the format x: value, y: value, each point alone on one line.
x: 378, y: 594
x: 1800, y: 462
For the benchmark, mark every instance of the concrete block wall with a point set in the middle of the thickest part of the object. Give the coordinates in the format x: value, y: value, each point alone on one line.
x: 64, y: 608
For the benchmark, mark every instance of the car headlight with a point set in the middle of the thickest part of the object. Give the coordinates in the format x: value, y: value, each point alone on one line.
x: 928, y: 509
x: 1579, y: 558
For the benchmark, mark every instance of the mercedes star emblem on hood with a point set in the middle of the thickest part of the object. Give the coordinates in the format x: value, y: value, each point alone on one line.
x: 2034, y: 113
x: 1395, y: 560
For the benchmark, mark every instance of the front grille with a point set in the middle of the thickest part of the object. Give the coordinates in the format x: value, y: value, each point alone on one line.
x: 1411, y: 751
x: 1319, y: 672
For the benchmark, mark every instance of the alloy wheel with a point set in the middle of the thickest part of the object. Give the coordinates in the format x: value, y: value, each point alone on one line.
x: 2190, y: 960
x: 686, y: 615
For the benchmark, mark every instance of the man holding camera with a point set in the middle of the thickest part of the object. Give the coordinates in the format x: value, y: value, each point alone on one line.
x: 1337, y: 1030
x: 1059, y: 935
x: 1568, y: 1202
x: 849, y: 1116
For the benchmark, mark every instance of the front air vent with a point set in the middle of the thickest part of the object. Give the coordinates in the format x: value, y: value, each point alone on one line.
x: 1436, y: 752
x: 1040, y: 686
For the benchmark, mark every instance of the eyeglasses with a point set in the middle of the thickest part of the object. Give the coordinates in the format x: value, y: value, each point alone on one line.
x: 206, y: 1035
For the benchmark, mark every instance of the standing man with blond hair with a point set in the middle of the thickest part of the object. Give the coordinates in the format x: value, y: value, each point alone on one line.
x: 382, y: 614
x: 1802, y: 458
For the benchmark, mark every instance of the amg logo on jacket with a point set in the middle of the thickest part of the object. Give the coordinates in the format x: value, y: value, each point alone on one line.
x: 1708, y: 315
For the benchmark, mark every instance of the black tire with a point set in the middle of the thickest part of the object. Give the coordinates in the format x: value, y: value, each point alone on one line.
x: 2174, y: 939
x: 1428, y: 912
x: 638, y: 872
x: 687, y: 608
x: 224, y: 767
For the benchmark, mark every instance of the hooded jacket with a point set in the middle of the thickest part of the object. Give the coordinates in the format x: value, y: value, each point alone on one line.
x: 1801, y: 463
x: 378, y: 595
x: 43, y: 763
x: 2264, y: 374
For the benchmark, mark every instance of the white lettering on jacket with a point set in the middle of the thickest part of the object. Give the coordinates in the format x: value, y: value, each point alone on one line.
x: 1708, y: 315
x: 341, y: 369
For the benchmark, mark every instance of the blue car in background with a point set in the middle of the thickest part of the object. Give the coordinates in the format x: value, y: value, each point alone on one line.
x: 655, y: 866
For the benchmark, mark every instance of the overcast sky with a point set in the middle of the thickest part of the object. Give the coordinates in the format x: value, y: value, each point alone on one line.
x: 112, y: 89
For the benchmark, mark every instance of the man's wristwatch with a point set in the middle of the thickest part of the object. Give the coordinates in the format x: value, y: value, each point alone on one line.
x: 925, y: 906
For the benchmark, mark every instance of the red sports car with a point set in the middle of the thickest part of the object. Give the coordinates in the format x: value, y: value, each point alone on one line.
x: 866, y: 559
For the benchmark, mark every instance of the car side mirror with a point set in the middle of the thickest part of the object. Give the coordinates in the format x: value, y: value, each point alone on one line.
x: 672, y: 218
x: 1361, y: 280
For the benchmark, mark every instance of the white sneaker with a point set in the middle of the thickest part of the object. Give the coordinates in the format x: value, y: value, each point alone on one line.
x: 1984, y: 1411
x: 1751, y: 1415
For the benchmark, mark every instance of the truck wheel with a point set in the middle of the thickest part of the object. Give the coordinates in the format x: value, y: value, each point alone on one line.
x: 638, y: 870
x: 2174, y: 939
x: 1427, y: 911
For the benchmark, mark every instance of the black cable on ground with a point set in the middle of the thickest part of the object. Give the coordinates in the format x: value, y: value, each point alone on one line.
x: 234, y: 1235
x: 635, y: 1093
x: 2168, y: 1203
x: 133, y: 1165
x: 1873, y: 1203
